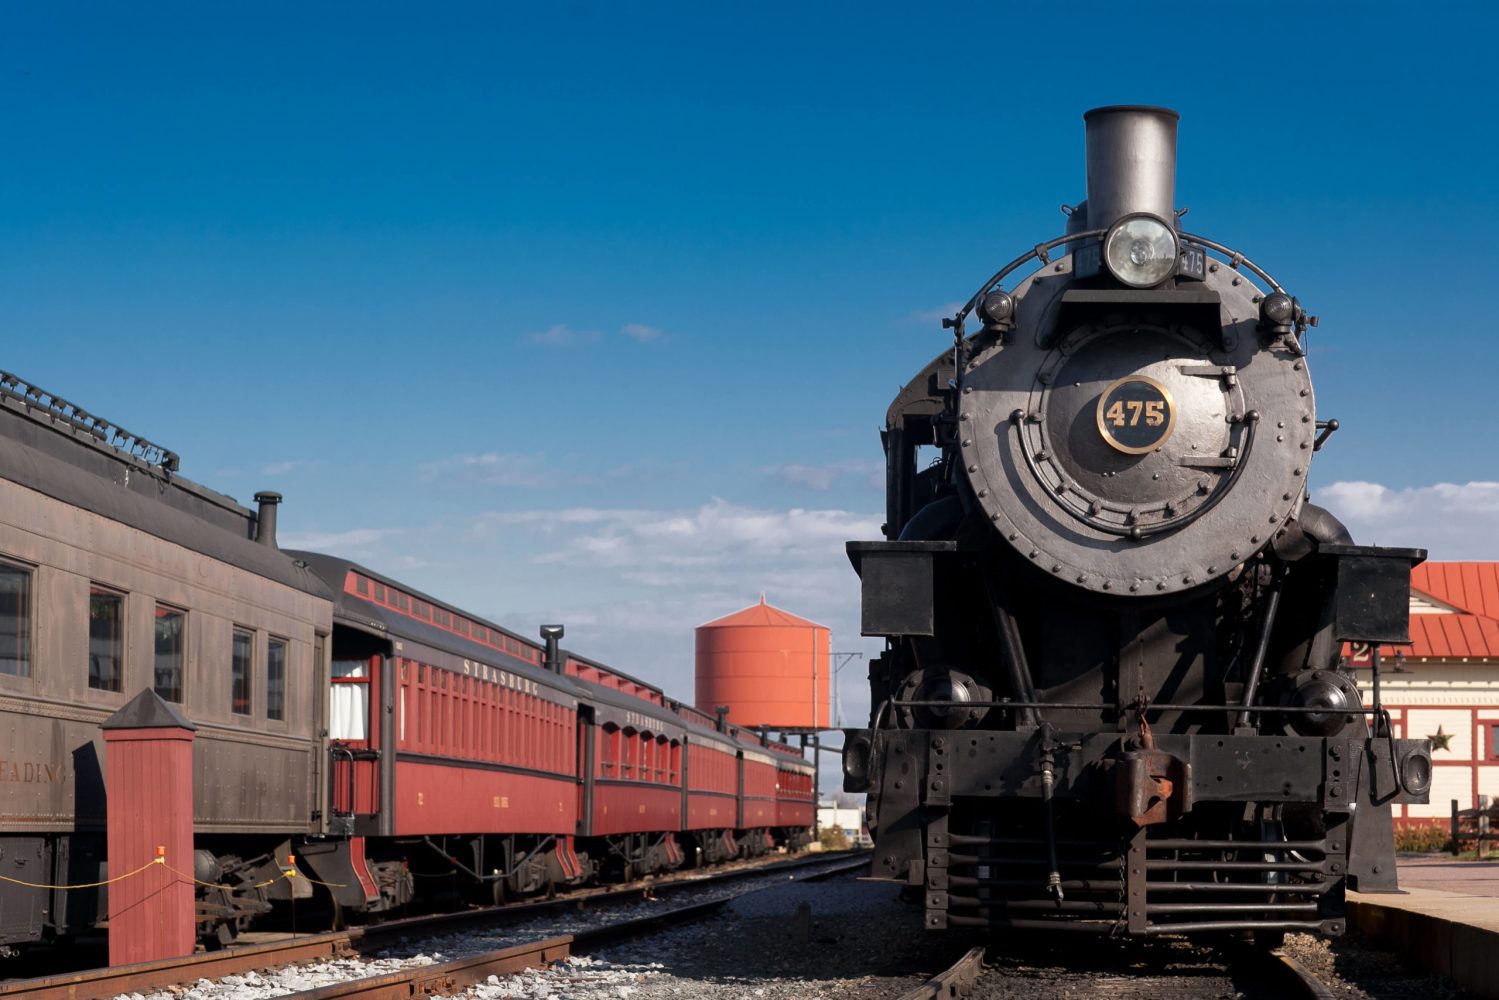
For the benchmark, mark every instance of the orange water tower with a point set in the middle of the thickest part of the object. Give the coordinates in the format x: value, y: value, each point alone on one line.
x: 767, y: 665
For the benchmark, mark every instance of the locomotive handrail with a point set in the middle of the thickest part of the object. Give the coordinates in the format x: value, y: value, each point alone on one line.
x: 1162, y: 707
x: 1041, y: 250
x: 1235, y: 259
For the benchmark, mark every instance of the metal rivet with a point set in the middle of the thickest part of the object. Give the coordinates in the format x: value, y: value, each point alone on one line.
x: 1013, y: 535
x: 968, y: 442
x: 1274, y: 518
x: 1056, y: 567
x: 962, y: 416
x: 1033, y: 553
x: 983, y: 493
x: 1254, y: 539
x: 1160, y: 585
x: 1298, y: 472
x: 994, y: 516
x: 973, y: 468
x: 1280, y: 437
x: 1298, y: 366
x: 1280, y: 423
x: 1134, y: 587
x: 1237, y: 280
x: 1107, y: 585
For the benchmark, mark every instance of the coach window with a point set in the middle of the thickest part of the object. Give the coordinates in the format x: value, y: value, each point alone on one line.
x: 106, y: 638
x: 15, y: 620
x: 609, y: 750
x: 275, y: 679
x: 171, y: 635
x: 241, y: 656
x: 1490, y: 736
x: 349, y: 700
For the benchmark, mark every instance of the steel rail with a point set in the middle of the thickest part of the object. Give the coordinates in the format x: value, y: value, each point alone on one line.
x: 1301, y: 981
x: 145, y: 977
x: 447, y: 977
x: 956, y: 981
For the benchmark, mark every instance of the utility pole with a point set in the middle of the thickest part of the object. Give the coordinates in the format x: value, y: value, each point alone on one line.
x: 840, y: 660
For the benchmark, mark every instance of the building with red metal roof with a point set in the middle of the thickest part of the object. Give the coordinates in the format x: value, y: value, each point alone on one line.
x: 1445, y: 684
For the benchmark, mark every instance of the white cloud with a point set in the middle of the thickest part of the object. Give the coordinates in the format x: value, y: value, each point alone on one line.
x: 562, y: 335
x: 641, y: 334
x: 493, y: 468
x: 637, y: 581
x: 727, y: 536
x: 1452, y: 520
x: 823, y: 477
x: 355, y: 543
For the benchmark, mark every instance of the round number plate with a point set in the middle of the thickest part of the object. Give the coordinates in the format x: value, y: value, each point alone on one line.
x: 1136, y: 415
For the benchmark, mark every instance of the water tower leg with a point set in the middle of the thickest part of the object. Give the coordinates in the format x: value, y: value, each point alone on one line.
x: 816, y: 783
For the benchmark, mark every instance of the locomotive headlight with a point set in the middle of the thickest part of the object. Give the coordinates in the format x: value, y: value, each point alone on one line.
x: 1140, y: 251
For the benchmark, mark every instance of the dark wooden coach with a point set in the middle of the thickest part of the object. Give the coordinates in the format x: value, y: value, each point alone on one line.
x: 370, y: 733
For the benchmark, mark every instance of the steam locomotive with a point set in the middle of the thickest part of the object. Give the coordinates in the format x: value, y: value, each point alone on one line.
x: 1109, y: 698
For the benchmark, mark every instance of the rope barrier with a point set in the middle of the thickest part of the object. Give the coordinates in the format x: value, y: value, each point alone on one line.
x: 85, y: 885
x: 289, y: 873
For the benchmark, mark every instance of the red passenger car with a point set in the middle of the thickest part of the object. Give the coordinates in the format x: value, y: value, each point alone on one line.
x: 460, y: 749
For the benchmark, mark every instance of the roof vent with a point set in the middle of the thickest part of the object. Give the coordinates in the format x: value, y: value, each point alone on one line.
x: 265, y: 518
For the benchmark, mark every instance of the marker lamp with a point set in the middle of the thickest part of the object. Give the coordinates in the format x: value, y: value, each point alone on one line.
x: 1140, y: 250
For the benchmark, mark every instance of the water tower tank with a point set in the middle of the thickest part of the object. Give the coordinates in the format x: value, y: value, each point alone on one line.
x: 767, y: 665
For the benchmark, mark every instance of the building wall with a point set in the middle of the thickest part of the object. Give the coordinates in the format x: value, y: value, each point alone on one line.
x: 1460, y: 699
x: 850, y: 821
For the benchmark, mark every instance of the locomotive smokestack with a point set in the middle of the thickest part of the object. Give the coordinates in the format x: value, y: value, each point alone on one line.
x: 1131, y: 163
x: 265, y: 519
x: 552, y: 634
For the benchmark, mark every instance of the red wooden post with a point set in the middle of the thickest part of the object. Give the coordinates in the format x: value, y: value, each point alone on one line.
x: 148, y: 785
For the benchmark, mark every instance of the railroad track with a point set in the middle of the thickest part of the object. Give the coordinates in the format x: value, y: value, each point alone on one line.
x: 1273, y: 972
x: 447, y: 976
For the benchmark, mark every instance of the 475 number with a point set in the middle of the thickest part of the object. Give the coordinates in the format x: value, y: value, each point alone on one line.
x: 1129, y: 412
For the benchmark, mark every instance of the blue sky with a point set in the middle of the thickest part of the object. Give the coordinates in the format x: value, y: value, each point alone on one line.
x: 592, y: 311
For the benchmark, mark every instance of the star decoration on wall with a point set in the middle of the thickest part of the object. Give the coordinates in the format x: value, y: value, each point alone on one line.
x: 1440, y: 740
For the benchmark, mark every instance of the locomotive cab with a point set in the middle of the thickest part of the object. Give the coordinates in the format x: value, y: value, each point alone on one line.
x: 1110, y: 694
